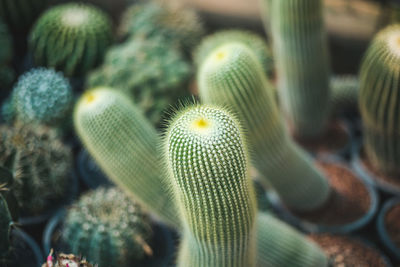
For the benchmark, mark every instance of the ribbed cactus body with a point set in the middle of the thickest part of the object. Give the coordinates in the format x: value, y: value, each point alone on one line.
x: 108, y: 228
x: 207, y: 161
x: 302, y: 62
x: 255, y: 43
x: 71, y: 37
x: 124, y: 144
x: 379, y: 100
x: 153, y: 74
x: 231, y: 76
x: 344, y: 93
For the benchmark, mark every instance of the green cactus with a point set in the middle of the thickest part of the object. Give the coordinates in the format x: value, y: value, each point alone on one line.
x: 208, y: 163
x: 42, y: 96
x: 6, y: 50
x: 255, y: 42
x: 71, y: 37
x: 232, y: 76
x: 108, y: 227
x: 379, y: 100
x: 176, y: 25
x: 40, y: 164
x: 65, y: 260
x: 344, y: 93
x: 20, y: 14
x: 5, y: 229
x: 124, y: 144
x: 161, y: 75
x: 302, y: 63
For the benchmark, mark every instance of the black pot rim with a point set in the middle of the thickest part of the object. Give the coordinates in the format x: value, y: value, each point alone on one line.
x: 380, y: 224
x: 367, y: 176
x: 34, y: 247
x: 309, y: 227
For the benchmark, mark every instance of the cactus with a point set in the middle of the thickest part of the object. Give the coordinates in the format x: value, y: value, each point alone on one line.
x: 71, y: 37
x: 42, y: 96
x: 344, y: 91
x: 177, y: 26
x: 65, y: 260
x: 40, y: 164
x: 232, y: 76
x: 255, y: 43
x: 379, y: 100
x: 20, y: 14
x: 208, y: 163
x: 161, y: 75
x: 302, y: 63
x: 7, y: 76
x: 108, y: 227
x: 125, y: 145
x: 5, y: 229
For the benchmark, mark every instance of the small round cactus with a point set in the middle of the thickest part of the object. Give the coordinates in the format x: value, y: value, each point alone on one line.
x: 255, y: 43
x: 40, y: 164
x: 232, y: 76
x: 108, y: 227
x: 42, y: 96
x: 379, y: 100
x: 176, y: 25
x: 125, y: 146
x: 208, y: 164
x: 71, y: 37
x: 153, y: 74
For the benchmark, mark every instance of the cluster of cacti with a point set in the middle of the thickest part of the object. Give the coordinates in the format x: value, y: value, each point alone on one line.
x: 20, y: 14
x: 344, y: 93
x: 125, y: 145
x: 71, y: 37
x: 232, y: 76
x: 302, y: 64
x: 153, y: 74
x: 168, y: 20
x: 255, y: 42
x: 41, y: 96
x: 65, y: 260
x: 40, y: 163
x: 108, y: 227
x: 208, y: 164
x: 379, y: 100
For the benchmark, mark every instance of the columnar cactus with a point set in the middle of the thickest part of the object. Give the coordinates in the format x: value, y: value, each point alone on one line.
x: 42, y: 96
x: 255, y: 42
x: 379, y: 100
x: 302, y: 62
x: 108, y: 227
x: 208, y: 163
x: 71, y: 37
x: 176, y: 25
x: 232, y: 76
x: 124, y: 144
x: 161, y: 75
x: 40, y: 163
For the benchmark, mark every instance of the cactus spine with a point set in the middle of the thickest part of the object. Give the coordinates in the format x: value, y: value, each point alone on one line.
x: 124, y: 144
x: 207, y: 161
x: 302, y: 62
x: 232, y: 76
x: 379, y: 100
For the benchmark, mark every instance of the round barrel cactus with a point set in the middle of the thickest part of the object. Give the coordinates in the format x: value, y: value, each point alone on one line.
x: 379, y: 100
x: 108, y: 227
x: 71, y: 37
x: 42, y: 96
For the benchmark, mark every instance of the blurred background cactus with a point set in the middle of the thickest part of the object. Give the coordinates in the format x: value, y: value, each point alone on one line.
x: 232, y: 76
x: 152, y: 73
x: 41, y: 96
x: 108, y: 227
x: 208, y: 164
x: 71, y: 37
x: 344, y: 94
x: 379, y: 100
x: 302, y: 63
x: 40, y: 163
x: 6, y: 53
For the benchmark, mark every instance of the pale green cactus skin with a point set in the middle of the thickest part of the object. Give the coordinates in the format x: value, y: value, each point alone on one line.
x: 232, y: 76
x: 302, y: 63
x: 207, y: 161
x: 125, y: 145
x: 344, y: 93
x: 71, y: 37
x: 379, y: 100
